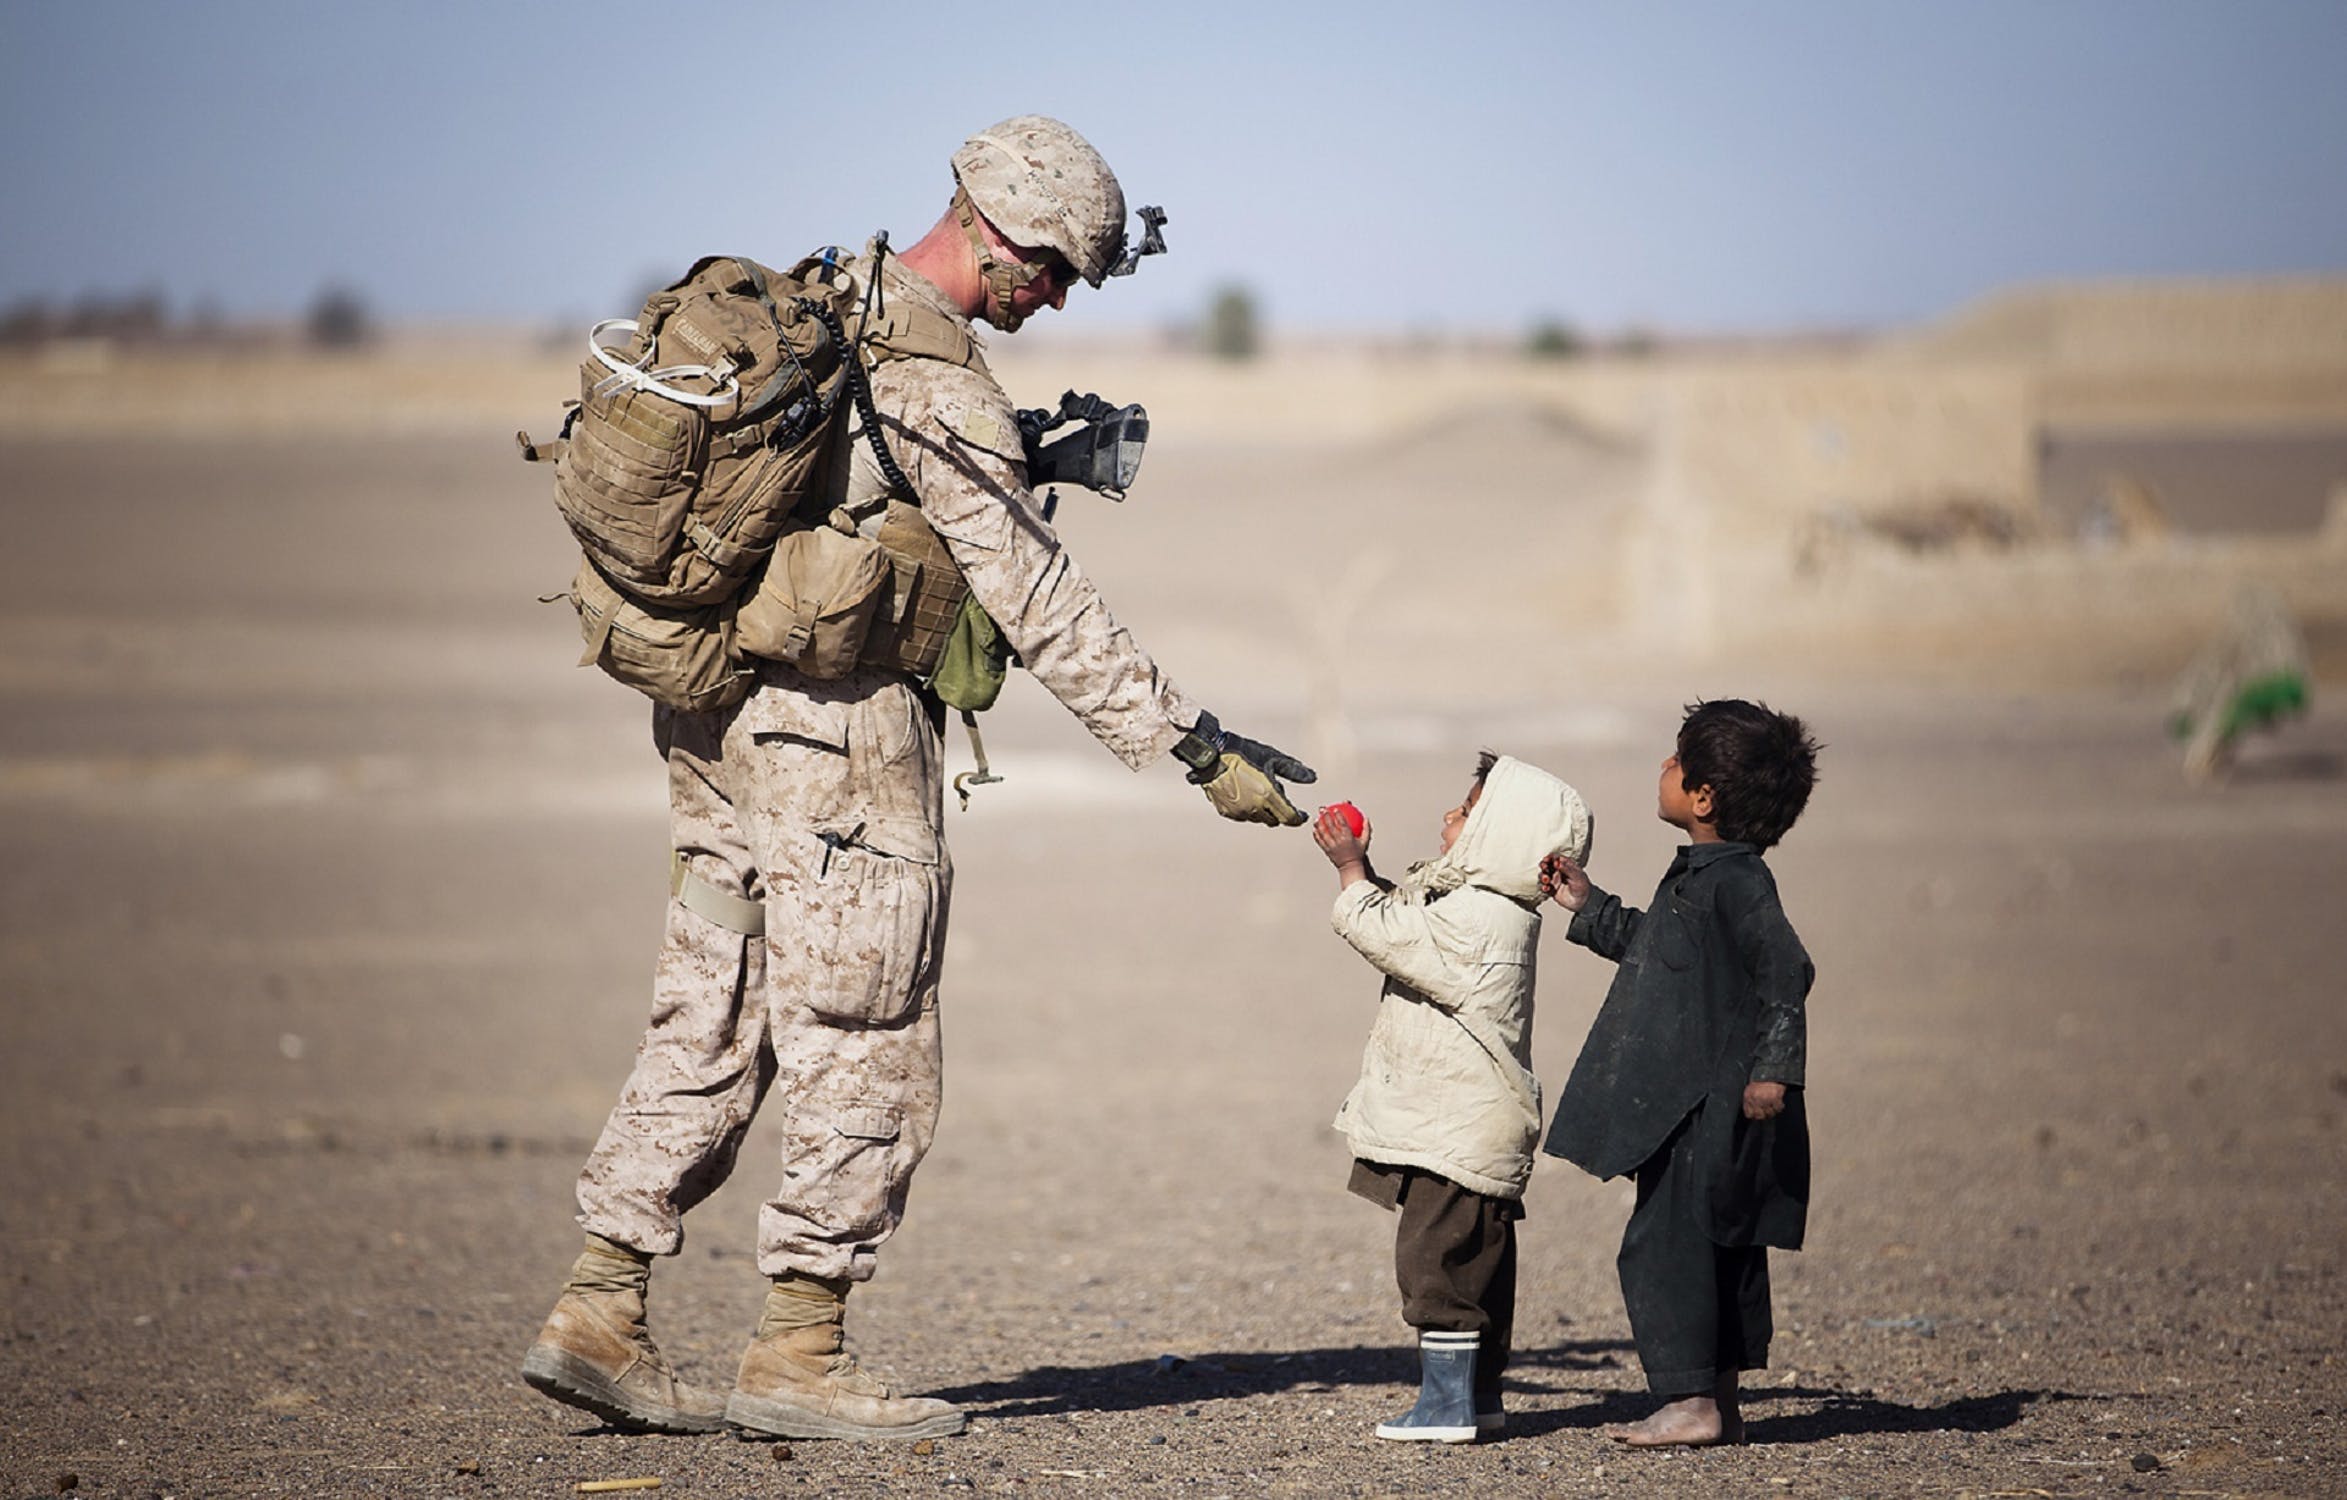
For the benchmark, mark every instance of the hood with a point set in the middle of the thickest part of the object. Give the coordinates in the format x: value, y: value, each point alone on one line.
x: 1523, y: 816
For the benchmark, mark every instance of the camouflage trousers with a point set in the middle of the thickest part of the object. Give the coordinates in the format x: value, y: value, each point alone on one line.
x: 823, y: 803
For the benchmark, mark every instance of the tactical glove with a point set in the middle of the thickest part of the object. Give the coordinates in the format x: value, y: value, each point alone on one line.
x: 1241, y: 776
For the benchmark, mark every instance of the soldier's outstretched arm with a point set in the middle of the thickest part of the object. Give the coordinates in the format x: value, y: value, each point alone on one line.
x: 962, y: 441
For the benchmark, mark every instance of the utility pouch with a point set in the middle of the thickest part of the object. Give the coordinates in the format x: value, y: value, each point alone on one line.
x: 976, y: 661
x: 815, y: 607
x: 684, y: 658
x: 925, y: 597
x: 627, y: 478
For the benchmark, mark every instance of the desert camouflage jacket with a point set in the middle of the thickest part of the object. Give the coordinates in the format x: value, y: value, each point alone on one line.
x: 952, y: 430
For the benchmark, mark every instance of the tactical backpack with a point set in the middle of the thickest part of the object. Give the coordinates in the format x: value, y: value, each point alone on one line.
x: 702, y: 437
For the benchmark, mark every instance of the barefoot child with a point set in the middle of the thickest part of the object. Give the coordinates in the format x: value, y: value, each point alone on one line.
x: 1444, y: 1119
x: 1691, y: 1077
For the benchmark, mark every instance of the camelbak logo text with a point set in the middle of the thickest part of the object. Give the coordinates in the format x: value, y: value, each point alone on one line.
x: 702, y: 344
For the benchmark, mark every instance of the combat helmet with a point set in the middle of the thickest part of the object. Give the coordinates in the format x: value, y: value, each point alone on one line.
x: 1040, y: 183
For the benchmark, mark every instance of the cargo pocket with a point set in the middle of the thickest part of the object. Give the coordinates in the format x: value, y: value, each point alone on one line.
x: 869, y: 920
x: 800, y: 715
x: 886, y: 725
x: 843, y: 1156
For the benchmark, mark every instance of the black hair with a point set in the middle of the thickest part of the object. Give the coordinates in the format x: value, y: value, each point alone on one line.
x: 1484, y: 761
x: 1759, y: 764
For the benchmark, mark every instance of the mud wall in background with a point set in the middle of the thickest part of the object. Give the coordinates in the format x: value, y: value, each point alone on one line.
x: 1887, y: 500
x: 1895, y: 502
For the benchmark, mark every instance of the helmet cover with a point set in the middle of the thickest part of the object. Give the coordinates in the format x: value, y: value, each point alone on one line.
x: 1041, y: 184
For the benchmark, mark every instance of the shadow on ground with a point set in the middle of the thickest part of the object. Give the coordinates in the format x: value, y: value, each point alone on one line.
x: 1836, y: 1414
x: 1138, y: 1385
x: 2289, y: 765
x: 1171, y: 1380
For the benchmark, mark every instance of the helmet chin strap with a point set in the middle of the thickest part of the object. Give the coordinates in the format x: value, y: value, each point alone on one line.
x: 1002, y: 277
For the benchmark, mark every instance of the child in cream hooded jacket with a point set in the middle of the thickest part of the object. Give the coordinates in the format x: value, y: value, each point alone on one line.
x: 1445, y: 1118
x: 1446, y: 1082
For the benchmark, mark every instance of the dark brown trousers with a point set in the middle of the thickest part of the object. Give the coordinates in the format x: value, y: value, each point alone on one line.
x: 1454, y: 1259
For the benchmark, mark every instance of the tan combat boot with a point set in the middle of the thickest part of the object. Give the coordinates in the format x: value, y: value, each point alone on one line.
x: 798, y: 1381
x: 596, y: 1353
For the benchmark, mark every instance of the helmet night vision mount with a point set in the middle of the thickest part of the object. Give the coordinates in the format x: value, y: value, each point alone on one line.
x: 1152, y: 241
x: 1103, y: 452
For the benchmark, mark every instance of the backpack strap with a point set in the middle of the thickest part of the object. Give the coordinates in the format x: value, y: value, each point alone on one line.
x: 598, y: 635
x: 535, y: 452
x: 905, y: 330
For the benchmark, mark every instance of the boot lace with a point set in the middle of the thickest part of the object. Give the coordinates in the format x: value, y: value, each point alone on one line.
x: 848, y: 1371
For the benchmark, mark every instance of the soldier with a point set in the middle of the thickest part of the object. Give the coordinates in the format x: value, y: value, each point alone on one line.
x: 810, y: 877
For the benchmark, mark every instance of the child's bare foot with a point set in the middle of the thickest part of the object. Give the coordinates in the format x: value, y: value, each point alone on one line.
x: 1694, y: 1422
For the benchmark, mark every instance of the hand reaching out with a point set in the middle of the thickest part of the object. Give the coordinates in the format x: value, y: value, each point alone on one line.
x: 1241, y: 777
x: 1562, y: 878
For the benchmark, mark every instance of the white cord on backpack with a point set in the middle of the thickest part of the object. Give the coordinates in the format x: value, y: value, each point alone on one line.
x: 633, y: 373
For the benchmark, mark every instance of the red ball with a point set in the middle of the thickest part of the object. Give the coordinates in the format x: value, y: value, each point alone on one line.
x: 1353, y: 818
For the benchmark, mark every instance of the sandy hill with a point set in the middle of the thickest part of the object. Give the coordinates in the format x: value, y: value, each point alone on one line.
x: 2254, y: 324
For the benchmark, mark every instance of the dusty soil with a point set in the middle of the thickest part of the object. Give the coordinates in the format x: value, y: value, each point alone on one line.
x: 328, y: 915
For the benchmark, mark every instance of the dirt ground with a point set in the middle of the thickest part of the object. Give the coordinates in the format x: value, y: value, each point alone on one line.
x: 331, y: 894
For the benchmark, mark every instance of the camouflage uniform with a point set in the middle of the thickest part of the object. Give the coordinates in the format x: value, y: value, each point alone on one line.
x: 823, y: 802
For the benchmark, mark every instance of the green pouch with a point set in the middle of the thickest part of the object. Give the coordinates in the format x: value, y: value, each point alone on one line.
x: 2264, y: 700
x: 977, y: 659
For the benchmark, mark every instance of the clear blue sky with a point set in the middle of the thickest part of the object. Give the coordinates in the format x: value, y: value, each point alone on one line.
x: 1700, y: 166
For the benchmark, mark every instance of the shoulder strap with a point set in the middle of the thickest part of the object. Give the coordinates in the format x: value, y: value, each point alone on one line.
x: 905, y: 330
x: 899, y: 328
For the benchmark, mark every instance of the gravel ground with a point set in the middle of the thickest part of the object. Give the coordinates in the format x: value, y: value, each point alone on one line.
x: 326, y: 926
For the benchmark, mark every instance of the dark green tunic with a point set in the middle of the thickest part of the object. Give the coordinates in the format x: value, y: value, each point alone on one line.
x: 1709, y: 997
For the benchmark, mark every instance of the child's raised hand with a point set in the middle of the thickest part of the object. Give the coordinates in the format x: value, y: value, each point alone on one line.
x: 1336, y: 838
x: 1562, y: 878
